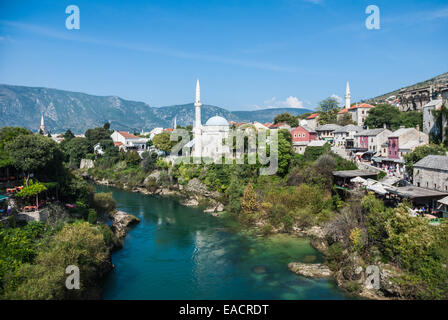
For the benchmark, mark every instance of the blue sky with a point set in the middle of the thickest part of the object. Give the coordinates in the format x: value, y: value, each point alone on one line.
x: 248, y: 54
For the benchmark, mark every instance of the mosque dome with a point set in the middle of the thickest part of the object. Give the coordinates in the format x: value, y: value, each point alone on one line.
x: 217, y: 121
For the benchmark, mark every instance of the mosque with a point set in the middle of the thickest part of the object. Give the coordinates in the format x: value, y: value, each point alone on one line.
x: 209, y: 139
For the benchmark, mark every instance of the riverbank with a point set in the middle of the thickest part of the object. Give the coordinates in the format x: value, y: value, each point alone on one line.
x: 364, y: 240
x: 178, y: 252
x: 191, y: 196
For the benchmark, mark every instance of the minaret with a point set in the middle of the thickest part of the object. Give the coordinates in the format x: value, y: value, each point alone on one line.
x: 42, y: 126
x: 347, y: 96
x: 198, y: 105
x: 197, y: 129
x: 175, y: 123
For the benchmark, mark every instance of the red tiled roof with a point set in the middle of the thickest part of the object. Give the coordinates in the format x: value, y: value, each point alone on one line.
x: 169, y: 129
x: 362, y: 105
x: 127, y: 135
x: 117, y: 144
x: 314, y: 115
x: 268, y: 124
x: 273, y: 126
x: 345, y: 110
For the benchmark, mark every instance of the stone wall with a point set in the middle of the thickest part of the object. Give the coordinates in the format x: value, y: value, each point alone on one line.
x: 431, y: 179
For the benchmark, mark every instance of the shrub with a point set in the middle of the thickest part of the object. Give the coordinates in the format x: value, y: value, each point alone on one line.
x: 104, y: 202
x: 249, y: 203
x: 93, y: 216
x: 78, y: 244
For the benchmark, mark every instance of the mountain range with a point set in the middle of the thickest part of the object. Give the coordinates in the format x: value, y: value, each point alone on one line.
x: 23, y: 106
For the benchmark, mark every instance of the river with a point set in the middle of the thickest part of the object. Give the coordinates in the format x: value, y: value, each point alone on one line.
x: 177, y: 252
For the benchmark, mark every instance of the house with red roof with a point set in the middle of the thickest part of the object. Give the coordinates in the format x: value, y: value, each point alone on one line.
x: 127, y: 141
x: 301, y: 137
x: 312, y: 121
x: 281, y: 125
x: 359, y: 112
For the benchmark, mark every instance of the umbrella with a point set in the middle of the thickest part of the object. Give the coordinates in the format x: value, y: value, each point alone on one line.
x: 358, y: 180
x: 377, y: 188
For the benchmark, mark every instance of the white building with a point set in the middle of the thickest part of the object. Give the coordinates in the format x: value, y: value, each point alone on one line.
x: 155, y: 132
x: 209, y: 139
x: 126, y: 141
x: 359, y: 112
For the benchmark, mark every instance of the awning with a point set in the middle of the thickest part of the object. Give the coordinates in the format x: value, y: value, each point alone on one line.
x: 2, y: 197
x: 358, y: 180
x: 444, y: 201
x: 359, y: 153
x: 377, y: 188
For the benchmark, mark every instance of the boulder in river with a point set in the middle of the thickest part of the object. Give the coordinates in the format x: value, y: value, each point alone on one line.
x: 310, y: 270
x: 121, y: 222
x: 259, y: 269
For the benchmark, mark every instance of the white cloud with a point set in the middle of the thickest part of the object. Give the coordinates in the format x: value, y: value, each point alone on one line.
x: 338, y: 98
x: 176, y: 53
x: 289, y: 102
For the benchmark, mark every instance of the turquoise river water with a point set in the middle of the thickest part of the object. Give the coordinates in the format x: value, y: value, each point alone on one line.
x: 177, y: 252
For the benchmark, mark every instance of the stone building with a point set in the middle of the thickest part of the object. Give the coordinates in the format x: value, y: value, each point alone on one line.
x: 415, y: 99
x: 371, y: 139
x: 359, y: 112
x: 432, y: 173
x: 429, y: 121
x: 312, y: 121
x: 326, y: 132
x: 345, y: 136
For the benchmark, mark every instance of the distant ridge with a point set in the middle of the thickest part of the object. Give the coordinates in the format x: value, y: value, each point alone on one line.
x: 23, y: 106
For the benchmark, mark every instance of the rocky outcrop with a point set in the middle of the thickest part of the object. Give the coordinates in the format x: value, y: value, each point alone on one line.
x: 214, y: 208
x: 121, y: 221
x: 86, y: 164
x: 196, y: 187
x: 314, y: 270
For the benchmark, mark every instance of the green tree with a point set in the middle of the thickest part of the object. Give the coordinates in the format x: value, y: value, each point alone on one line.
x: 329, y: 104
x: 284, y: 151
x: 328, y: 109
x: 77, y: 149
x: 411, y: 119
x: 346, y: 119
x: 162, y: 141
x: 68, y: 135
x: 96, y: 135
x: 31, y: 153
x: 287, y: 118
x: 384, y: 114
x: 7, y: 134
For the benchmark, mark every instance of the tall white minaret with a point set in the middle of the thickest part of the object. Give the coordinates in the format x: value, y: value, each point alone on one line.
x: 197, y: 129
x: 198, y: 105
x: 175, y: 123
x: 42, y: 125
x: 347, y: 96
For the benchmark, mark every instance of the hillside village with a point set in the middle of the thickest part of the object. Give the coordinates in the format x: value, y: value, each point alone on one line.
x: 332, y: 160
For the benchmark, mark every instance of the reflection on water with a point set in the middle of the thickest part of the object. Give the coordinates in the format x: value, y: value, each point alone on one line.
x: 178, y: 252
